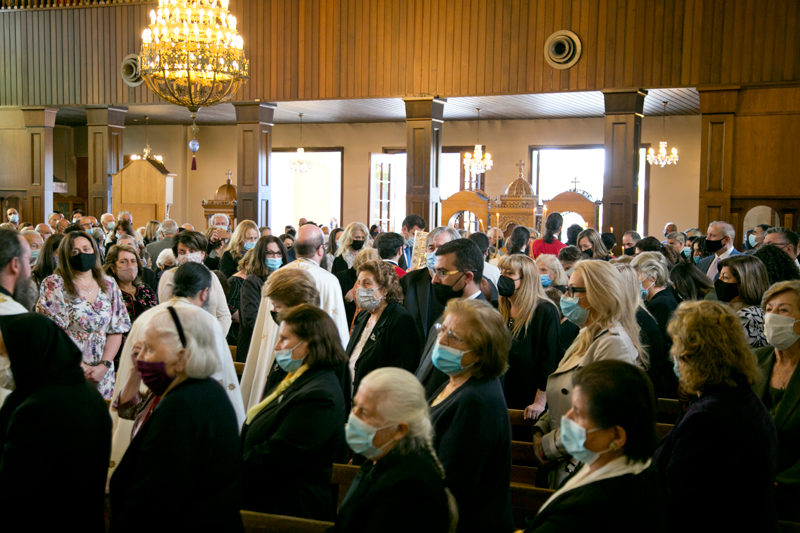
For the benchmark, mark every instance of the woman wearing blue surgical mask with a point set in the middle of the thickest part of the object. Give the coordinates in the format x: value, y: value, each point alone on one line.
x: 534, y: 324
x: 294, y: 435
x: 725, y: 421
x: 778, y: 386
x: 596, y: 301
x: 403, y: 486
x: 267, y: 257
x: 551, y: 272
x: 242, y: 241
x: 611, y: 429
x: 472, y: 433
x: 384, y: 333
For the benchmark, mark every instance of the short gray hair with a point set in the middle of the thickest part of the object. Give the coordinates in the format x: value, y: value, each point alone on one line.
x: 727, y: 229
x: 164, y: 256
x: 212, y: 217
x: 27, y: 231
x: 169, y: 227
x: 678, y: 236
x: 454, y: 234
x: 200, y: 333
x: 552, y: 262
x: 652, y: 265
x: 119, y: 215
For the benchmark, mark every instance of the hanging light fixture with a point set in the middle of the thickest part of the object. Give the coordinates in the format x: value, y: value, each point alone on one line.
x: 301, y: 162
x: 478, y: 163
x: 146, y: 151
x: 193, y: 56
x: 662, y: 158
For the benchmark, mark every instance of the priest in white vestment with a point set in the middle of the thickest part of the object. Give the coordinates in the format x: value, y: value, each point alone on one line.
x: 310, y: 250
x: 225, y: 375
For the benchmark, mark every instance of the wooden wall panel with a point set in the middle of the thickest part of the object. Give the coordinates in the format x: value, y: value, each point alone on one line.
x: 316, y: 49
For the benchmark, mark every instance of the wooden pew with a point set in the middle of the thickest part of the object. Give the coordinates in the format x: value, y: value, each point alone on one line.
x: 239, y: 369
x: 271, y: 523
x: 668, y: 410
x: 233, y: 352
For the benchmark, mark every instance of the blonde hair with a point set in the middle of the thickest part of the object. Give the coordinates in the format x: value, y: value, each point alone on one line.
x: 347, y: 237
x: 780, y: 288
x: 599, y: 250
x: 370, y: 254
x: 708, y: 338
x: 631, y: 283
x: 529, y: 295
x: 150, y: 229
x: 487, y: 334
x: 550, y: 261
x: 236, y: 246
x: 607, y: 295
x: 652, y: 265
x: 291, y: 286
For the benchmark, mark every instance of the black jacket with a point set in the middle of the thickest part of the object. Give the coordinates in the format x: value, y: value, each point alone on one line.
x: 472, y: 437
x: 249, y: 302
x: 700, y: 461
x: 347, y: 280
x: 55, y: 433
x: 182, y: 470
x: 339, y: 265
x: 229, y: 264
x: 398, y: 494
x: 660, y: 370
x: 534, y: 355
x: 420, y: 301
x: 393, y: 342
x: 629, y: 502
x: 150, y: 278
x: 290, y: 446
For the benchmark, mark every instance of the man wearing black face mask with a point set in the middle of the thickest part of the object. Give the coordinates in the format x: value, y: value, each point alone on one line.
x: 719, y: 241
x: 457, y: 273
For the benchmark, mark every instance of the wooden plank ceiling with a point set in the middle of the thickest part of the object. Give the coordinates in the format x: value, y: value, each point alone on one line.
x: 524, y: 106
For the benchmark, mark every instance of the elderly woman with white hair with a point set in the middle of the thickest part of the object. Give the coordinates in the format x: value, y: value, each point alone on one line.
x: 596, y: 301
x: 552, y: 272
x: 656, y: 290
x: 402, y: 487
x: 183, y: 468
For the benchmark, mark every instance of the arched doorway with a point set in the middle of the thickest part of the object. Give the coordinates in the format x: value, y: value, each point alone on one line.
x: 580, y: 205
x: 466, y: 220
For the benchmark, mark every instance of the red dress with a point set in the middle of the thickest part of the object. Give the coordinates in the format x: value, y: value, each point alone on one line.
x: 540, y: 247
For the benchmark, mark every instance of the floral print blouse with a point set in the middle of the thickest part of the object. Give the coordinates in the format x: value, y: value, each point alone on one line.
x: 86, y: 323
x: 137, y: 304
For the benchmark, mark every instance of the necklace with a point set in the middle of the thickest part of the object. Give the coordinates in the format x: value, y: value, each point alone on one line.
x: 87, y: 289
x: 780, y: 376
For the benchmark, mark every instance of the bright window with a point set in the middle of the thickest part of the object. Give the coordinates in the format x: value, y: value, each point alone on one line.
x: 314, y: 195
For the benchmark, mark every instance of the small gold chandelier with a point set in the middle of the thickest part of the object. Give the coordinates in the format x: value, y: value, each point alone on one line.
x: 193, y: 56
x: 301, y: 163
x: 146, y: 152
x: 662, y: 158
x: 478, y: 163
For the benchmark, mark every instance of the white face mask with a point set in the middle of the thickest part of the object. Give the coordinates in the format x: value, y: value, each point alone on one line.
x: 779, y: 331
x: 193, y: 257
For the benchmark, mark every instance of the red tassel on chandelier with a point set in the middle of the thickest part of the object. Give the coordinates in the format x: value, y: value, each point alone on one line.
x: 194, y: 162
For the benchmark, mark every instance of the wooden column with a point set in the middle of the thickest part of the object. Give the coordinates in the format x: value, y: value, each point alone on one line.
x: 106, y: 125
x: 39, y: 121
x: 254, y: 121
x: 717, y: 106
x: 623, y: 132
x: 424, y: 118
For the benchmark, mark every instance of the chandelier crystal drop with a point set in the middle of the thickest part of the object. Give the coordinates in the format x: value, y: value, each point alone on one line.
x: 301, y: 163
x: 662, y: 158
x: 478, y: 162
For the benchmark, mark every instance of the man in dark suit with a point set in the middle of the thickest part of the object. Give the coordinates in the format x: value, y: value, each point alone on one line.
x: 417, y: 287
x: 457, y: 273
x: 168, y: 228
x: 719, y: 241
x: 411, y: 225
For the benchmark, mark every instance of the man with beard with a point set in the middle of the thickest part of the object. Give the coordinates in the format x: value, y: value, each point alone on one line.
x: 15, y: 272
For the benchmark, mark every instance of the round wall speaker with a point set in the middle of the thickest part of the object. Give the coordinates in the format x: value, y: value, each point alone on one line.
x: 562, y: 49
x: 129, y: 70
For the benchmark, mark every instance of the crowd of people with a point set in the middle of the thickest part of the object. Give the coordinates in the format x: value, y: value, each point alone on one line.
x: 357, y: 351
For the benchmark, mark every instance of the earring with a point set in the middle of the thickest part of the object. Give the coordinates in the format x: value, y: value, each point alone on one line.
x: 613, y: 447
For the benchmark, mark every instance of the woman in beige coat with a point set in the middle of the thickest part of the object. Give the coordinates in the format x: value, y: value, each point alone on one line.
x: 604, y: 307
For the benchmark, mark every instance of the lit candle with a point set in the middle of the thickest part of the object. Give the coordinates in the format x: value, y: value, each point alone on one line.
x: 611, y: 229
x: 498, y: 219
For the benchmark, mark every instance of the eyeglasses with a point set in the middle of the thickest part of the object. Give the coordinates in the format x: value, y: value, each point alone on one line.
x: 444, y: 331
x: 440, y: 272
x: 273, y: 254
x: 571, y: 291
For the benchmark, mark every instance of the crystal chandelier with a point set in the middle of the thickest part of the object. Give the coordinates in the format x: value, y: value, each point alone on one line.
x: 301, y: 163
x: 146, y: 151
x: 662, y: 158
x: 193, y: 56
x: 478, y: 163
